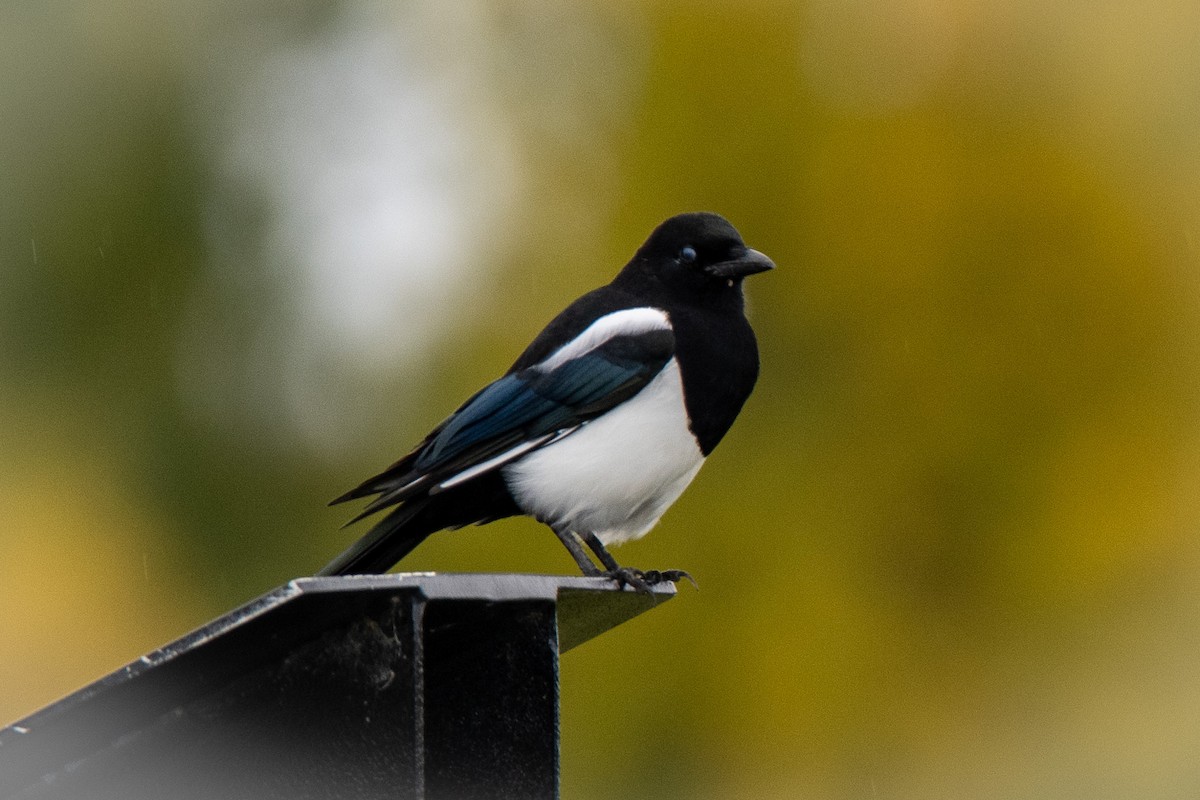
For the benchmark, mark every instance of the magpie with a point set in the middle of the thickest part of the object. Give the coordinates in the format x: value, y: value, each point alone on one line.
x: 603, y: 421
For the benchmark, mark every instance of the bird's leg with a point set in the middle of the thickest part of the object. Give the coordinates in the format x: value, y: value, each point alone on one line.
x: 624, y: 576
x: 571, y: 542
x: 642, y: 581
x: 593, y: 541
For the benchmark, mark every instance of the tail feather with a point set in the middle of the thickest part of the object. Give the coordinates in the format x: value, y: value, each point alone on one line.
x: 482, y: 499
x: 390, y: 496
x: 391, y: 539
x: 395, y: 476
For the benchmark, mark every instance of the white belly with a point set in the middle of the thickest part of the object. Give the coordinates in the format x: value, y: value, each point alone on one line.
x: 617, y: 474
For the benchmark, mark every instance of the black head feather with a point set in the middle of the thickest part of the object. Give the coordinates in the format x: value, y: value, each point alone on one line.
x: 697, y: 257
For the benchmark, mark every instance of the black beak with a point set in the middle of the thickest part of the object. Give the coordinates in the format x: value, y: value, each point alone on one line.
x: 748, y: 262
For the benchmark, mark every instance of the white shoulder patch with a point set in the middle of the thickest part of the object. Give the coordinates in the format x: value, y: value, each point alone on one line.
x: 627, y: 322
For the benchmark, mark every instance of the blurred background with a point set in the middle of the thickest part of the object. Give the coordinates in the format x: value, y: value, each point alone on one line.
x: 252, y: 251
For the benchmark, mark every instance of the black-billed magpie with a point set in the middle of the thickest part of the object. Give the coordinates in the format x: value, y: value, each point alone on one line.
x: 601, y: 423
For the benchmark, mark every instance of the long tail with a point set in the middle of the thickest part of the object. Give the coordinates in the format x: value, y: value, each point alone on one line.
x: 480, y: 500
x: 391, y: 539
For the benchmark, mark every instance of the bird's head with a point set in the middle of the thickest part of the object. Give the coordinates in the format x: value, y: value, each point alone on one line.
x: 698, y: 255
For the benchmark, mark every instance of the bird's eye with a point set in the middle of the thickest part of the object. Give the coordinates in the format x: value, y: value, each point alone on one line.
x: 687, y: 255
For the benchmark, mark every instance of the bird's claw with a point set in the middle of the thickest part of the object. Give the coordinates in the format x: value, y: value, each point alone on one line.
x: 629, y: 576
x: 643, y: 580
x: 655, y: 576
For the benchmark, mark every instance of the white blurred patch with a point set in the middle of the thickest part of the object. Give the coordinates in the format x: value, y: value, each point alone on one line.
x: 387, y: 169
x: 364, y: 175
x: 367, y: 171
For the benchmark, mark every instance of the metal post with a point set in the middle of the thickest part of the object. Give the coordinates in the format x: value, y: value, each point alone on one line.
x: 432, y: 687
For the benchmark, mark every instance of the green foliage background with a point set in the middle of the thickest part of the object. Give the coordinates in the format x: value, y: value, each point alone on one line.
x: 950, y: 550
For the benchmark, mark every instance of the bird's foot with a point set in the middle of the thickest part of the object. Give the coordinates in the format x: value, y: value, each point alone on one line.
x: 655, y: 576
x: 643, y: 581
x: 629, y: 576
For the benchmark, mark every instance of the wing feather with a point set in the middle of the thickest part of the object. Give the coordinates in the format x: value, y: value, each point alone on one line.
x: 519, y: 412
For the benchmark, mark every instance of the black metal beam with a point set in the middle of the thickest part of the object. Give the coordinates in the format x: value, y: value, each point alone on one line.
x: 396, y: 686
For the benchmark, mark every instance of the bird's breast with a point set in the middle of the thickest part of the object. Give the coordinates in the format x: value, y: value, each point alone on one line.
x: 618, y: 473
